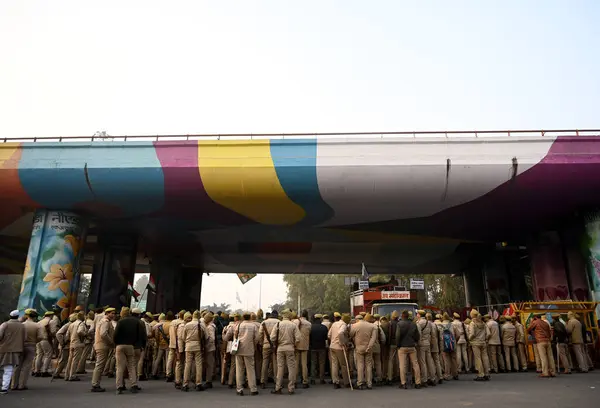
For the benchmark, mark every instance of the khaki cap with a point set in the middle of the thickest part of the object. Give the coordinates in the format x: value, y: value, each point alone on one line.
x: 358, y: 317
x: 110, y: 309
x: 337, y: 314
x: 318, y: 316
x: 49, y: 313
x: 456, y: 315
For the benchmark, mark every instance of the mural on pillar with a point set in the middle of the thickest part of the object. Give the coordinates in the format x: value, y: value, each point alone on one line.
x: 548, y: 268
x: 592, y: 247
x: 51, y: 268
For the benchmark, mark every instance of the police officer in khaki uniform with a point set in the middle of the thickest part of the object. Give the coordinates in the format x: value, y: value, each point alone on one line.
x: 269, y: 353
x: 34, y: 335
x: 44, y: 349
x: 509, y: 336
x: 194, y: 337
x: 435, y: 350
x: 285, y: 336
x: 77, y: 332
x: 103, y: 344
x: 364, y: 334
x: 302, y: 347
x: 246, y: 334
x: 479, y: 334
x: 380, y: 342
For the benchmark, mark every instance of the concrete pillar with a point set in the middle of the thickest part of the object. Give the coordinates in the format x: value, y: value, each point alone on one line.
x: 114, y: 267
x: 51, y: 275
x: 177, y: 287
x: 474, y: 287
x: 550, y: 279
x: 592, y: 249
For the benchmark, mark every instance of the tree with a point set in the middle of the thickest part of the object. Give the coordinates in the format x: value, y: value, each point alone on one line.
x: 85, y: 285
x: 318, y: 293
x: 277, y: 306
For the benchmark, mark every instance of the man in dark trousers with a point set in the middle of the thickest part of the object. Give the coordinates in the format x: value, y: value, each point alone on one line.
x: 130, y: 334
x: 318, y: 349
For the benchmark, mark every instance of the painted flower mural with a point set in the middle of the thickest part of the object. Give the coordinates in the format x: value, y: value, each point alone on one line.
x: 52, y: 259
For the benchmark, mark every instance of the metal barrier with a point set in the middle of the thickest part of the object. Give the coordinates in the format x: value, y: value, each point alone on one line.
x: 333, y: 135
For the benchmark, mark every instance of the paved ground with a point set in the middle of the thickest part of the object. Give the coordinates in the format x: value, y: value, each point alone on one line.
x: 505, y: 390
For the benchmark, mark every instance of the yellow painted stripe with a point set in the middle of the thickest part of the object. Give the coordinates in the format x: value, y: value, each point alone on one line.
x: 6, y: 152
x: 241, y: 176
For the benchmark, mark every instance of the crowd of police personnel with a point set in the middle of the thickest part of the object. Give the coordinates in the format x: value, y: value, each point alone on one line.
x: 248, y: 351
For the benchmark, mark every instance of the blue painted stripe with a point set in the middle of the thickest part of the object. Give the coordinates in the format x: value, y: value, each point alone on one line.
x: 296, y: 166
x: 123, y: 175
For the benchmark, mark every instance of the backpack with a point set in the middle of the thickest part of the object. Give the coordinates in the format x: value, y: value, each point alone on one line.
x: 448, y: 339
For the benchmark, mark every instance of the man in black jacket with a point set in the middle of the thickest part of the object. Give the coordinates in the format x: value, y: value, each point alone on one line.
x: 561, y: 338
x: 318, y: 348
x: 130, y: 334
x: 407, y: 337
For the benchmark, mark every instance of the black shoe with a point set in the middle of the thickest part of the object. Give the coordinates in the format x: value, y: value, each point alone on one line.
x: 369, y: 387
x: 231, y: 386
x: 263, y: 386
x: 46, y: 375
x: 479, y: 379
x: 291, y: 392
x: 305, y: 386
x: 200, y: 387
x: 431, y: 383
x: 254, y: 393
x: 97, y: 388
x: 403, y: 386
x: 178, y: 386
x: 418, y: 386
x: 134, y: 390
x: 277, y: 392
x: 336, y: 386
x: 120, y: 390
x: 455, y: 378
x: 185, y: 388
x: 208, y: 385
x: 322, y: 382
x: 81, y: 372
x: 486, y: 377
x: 240, y: 393
x: 440, y: 381
x: 169, y: 379
x: 143, y: 378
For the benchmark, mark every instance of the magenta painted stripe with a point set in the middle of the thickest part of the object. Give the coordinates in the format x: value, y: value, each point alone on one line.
x: 185, y: 196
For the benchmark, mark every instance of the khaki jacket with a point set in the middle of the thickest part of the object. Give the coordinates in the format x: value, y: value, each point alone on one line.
x: 435, y: 338
x: 520, y: 333
x: 425, y: 329
x: 89, y: 337
x: 34, y: 332
x: 173, y: 340
x: 52, y: 328
x: 286, y: 335
x: 62, y: 335
x: 76, y: 332
x: 509, y: 334
x: 379, y: 338
x: 494, y: 333
x: 247, y: 334
x: 338, y: 328
x: 461, y: 335
x: 181, y: 337
x: 326, y: 323
x: 363, y: 334
x: 479, y: 333
x: 105, y: 333
x: 161, y: 334
x: 211, y: 337
x: 574, y: 330
x: 266, y: 328
x: 194, y: 336
x: 12, y: 337
x: 304, y: 326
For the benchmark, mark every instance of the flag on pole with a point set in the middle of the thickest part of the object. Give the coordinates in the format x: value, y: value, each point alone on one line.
x: 237, y: 297
x: 132, y: 292
x: 151, y: 286
x: 364, y: 273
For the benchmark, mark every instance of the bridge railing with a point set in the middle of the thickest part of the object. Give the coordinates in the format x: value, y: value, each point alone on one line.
x: 327, y: 135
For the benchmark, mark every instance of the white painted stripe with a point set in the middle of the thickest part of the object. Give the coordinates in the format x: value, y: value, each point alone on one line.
x: 370, y: 181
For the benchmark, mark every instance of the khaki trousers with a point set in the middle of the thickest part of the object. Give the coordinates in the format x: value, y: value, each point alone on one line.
x: 317, y: 359
x: 43, y: 356
x: 86, y: 354
x: 426, y: 363
x: 450, y: 368
x: 196, y: 359
x: 536, y: 355
x: 171, y: 362
x: 522, y: 356
x: 435, y: 356
x: 158, y: 360
x: 364, y: 368
x: 392, y: 363
x: 511, y: 352
x: 302, y: 360
x: 482, y: 363
x: 462, y: 357
x: 231, y: 377
x: 377, y: 364
x: 404, y: 355
x: 101, y: 360
x: 581, y: 359
x: 209, y: 364
x: 547, y: 359
x: 286, y: 358
x: 563, y: 351
x: 494, y: 352
x: 267, y: 357
x: 338, y: 363
x: 125, y: 360
x: 245, y: 364
x: 75, y: 355
x: 109, y: 367
x: 23, y: 370
x: 63, y: 359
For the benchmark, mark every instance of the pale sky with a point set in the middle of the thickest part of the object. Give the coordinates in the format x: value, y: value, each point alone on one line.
x: 156, y: 67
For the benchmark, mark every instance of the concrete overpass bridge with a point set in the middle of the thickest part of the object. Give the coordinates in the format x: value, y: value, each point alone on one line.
x: 422, y: 202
